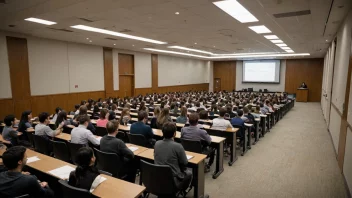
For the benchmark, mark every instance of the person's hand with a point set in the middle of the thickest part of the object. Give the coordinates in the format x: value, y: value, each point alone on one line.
x: 43, y: 184
x: 19, y: 133
x: 26, y: 173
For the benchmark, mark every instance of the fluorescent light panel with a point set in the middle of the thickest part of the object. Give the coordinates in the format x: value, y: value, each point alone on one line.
x: 118, y: 34
x: 290, y: 51
x: 276, y: 41
x: 271, y: 37
x: 41, y: 21
x: 281, y: 45
x: 285, y: 48
x: 236, y: 10
x: 173, y: 52
x: 260, y: 29
x: 190, y: 49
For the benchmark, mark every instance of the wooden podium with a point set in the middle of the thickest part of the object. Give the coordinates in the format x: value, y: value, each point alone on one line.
x: 302, y: 95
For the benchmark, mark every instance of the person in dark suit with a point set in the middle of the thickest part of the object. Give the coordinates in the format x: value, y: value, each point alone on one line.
x: 141, y: 128
x: 303, y: 85
x: 110, y: 144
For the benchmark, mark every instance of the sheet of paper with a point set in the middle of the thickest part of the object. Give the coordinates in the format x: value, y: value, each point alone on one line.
x: 133, y: 148
x: 96, y: 183
x: 32, y: 159
x: 98, y: 138
x: 62, y: 172
x: 189, y: 157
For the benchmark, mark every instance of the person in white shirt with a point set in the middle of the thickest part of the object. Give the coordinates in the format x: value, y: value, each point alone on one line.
x: 220, y: 123
x: 81, y: 135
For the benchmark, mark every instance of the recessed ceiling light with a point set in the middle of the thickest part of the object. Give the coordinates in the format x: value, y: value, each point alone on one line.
x: 236, y: 10
x: 285, y: 48
x: 173, y: 52
x: 190, y: 49
x: 271, y: 37
x: 290, y: 51
x: 87, y: 38
x: 260, y: 29
x: 90, y: 41
x: 103, y: 31
x: 281, y: 45
x: 114, y: 44
x: 195, y: 43
x: 177, y: 13
x: 277, y: 41
x: 41, y: 21
x: 327, y: 40
x: 214, y: 46
x: 132, y: 45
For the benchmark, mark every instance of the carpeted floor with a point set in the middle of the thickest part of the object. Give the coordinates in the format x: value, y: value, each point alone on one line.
x: 296, y: 159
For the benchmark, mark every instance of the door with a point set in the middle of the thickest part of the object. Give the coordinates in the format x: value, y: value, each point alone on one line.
x: 127, y: 86
x: 126, y: 74
x: 217, y: 84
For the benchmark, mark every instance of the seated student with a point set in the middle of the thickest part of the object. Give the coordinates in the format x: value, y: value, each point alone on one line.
x: 125, y: 116
x: 81, y: 135
x: 62, y: 119
x: 262, y: 109
x: 238, y: 119
x: 168, y: 152
x: 141, y: 128
x: 57, y: 111
x: 103, y: 119
x: 229, y: 111
x: 111, y: 144
x: 214, y: 110
x: 14, y: 182
x: 163, y: 118
x: 196, y: 134
x: 249, y: 116
x: 183, y: 117
x: 86, y: 175
x: 155, y: 116
x: 112, y: 115
x: 25, y: 123
x: 256, y: 112
x: 84, y: 111
x: 203, y: 115
x: 8, y: 132
x: 220, y: 123
x: 76, y: 111
x: 266, y: 106
x: 42, y: 129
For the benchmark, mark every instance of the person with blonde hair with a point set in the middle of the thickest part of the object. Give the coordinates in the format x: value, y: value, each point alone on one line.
x: 163, y: 118
x: 125, y: 116
x: 183, y: 117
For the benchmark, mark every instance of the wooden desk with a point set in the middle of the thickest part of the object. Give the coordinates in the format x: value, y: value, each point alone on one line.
x: 139, y: 150
x: 196, y: 163
x: 263, y: 123
x: 302, y: 95
x: 112, y: 187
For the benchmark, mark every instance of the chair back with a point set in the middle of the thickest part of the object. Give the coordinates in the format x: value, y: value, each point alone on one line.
x: 73, y: 192
x: 153, y: 123
x: 158, y: 179
x: 101, y: 131
x: 137, y: 139
x: 109, y: 162
x: 73, y: 148
x: 31, y: 138
x: 67, y: 130
x: 61, y: 151
x: 42, y: 145
x: 191, y: 145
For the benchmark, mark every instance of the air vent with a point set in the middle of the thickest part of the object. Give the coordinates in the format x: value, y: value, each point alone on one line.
x: 111, y: 39
x: 86, y: 20
x: 292, y: 14
x: 62, y: 30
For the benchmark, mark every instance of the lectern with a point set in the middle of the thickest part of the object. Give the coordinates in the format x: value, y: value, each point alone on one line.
x: 302, y: 95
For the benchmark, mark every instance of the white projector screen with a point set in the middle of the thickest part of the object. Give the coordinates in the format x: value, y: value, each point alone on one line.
x: 261, y: 71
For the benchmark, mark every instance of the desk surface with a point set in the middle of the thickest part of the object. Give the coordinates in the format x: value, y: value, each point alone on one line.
x: 139, y: 150
x: 111, y: 187
x: 214, y: 139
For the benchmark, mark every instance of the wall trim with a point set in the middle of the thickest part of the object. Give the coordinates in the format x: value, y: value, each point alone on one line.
x: 335, y: 107
x: 346, y: 186
x: 184, y: 85
x: 332, y: 143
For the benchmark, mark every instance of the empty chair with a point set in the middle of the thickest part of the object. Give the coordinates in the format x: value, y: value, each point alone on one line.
x: 158, y: 180
x: 109, y: 162
x: 70, y: 191
x: 61, y: 151
x: 138, y: 139
x: 42, y: 145
x: 31, y: 138
x: 101, y: 131
x: 73, y: 148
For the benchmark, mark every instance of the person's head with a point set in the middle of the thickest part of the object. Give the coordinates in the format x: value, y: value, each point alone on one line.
x: 142, y: 116
x: 61, y: 117
x: 83, y: 102
x: 125, y: 112
x: 84, y: 160
x: 203, y: 114
x: 83, y: 120
x: 83, y: 110
x: 156, y: 111
x: 197, y: 104
x: 257, y: 109
x: 26, y: 116
x: 104, y: 114
x: 96, y: 109
x: 112, y: 127
x: 193, y: 119
x: 222, y: 112
x: 58, y: 110
x: 44, y: 118
x: 77, y: 106
x: 245, y: 110
x: 9, y: 120
x: 214, y: 107
x: 114, y: 107
x: 15, y: 158
x: 183, y: 111
x: 169, y: 130
x: 239, y: 113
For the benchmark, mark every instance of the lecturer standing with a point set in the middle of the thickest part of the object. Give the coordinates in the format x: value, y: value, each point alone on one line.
x: 303, y: 85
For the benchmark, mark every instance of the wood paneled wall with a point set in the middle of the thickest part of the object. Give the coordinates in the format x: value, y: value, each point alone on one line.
x: 108, y: 72
x: 309, y: 71
x: 155, y: 72
x: 226, y: 71
x: 193, y: 87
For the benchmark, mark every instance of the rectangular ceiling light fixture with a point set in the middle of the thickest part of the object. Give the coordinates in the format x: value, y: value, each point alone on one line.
x: 281, y: 45
x: 173, y: 52
x: 103, y: 31
x: 190, y: 49
x: 277, y: 41
x: 289, y: 51
x: 41, y: 21
x: 263, y: 55
x: 285, y: 48
x: 260, y: 29
x: 236, y: 10
x: 271, y: 37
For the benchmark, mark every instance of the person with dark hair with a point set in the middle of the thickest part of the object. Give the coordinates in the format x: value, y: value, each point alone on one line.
x: 168, y: 152
x: 25, y: 123
x: 62, y: 119
x: 220, y: 123
x: 42, y: 129
x: 8, y: 132
x: 203, y: 115
x: 86, y: 175
x: 103, y: 118
x: 84, y: 111
x: 76, y: 111
x: 125, y: 116
x: 183, y: 117
x: 57, y: 111
x: 81, y: 135
x: 14, y: 183
x: 111, y: 144
x: 196, y: 134
x: 141, y: 128
x: 238, y: 119
x: 247, y: 117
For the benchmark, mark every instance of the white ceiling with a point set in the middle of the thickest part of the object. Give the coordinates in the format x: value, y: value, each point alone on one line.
x: 199, y: 21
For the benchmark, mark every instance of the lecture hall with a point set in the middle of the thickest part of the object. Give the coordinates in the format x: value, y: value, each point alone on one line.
x: 176, y: 98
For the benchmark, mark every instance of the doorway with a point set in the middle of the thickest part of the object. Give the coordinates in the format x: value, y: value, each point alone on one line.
x: 126, y: 75
x: 217, y: 84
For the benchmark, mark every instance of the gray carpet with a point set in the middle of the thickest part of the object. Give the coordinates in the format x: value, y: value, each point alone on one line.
x: 295, y: 159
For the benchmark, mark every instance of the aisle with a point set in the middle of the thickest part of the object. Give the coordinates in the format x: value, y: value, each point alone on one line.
x: 296, y: 159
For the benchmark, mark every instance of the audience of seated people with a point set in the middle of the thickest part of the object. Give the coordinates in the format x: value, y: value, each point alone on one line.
x: 25, y: 123
x: 8, y: 132
x: 42, y: 129
x: 141, y: 128
x: 81, y: 135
